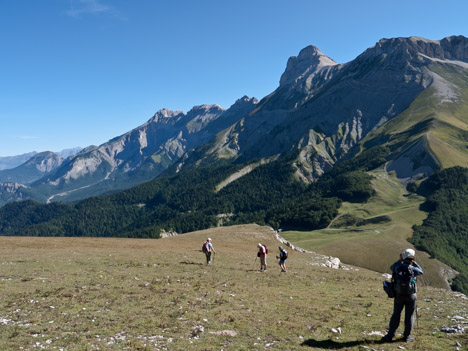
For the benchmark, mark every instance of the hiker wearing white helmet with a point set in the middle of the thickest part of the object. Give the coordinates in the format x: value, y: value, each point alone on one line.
x: 207, y: 249
x: 262, y: 253
x: 404, y: 274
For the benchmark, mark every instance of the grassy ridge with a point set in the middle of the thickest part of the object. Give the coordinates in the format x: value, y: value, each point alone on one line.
x: 114, y: 294
x: 443, y: 124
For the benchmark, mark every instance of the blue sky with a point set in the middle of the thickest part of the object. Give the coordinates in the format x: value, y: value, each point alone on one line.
x: 80, y: 72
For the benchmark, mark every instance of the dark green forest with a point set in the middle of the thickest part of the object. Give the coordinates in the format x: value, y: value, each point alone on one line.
x: 270, y: 194
x: 444, y: 234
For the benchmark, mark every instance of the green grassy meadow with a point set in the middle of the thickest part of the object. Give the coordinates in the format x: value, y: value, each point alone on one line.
x: 143, y: 294
x: 372, y: 234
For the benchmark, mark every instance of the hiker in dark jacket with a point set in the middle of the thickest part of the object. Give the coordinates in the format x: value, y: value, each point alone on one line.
x: 404, y: 274
x: 282, y: 259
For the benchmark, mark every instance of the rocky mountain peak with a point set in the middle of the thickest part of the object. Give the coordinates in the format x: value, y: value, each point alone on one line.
x: 206, y: 108
x: 309, y: 61
x: 244, y: 101
x: 163, y: 114
x: 45, y: 161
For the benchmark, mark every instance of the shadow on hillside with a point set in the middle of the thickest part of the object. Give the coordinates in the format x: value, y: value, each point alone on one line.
x: 335, y: 345
x: 192, y: 263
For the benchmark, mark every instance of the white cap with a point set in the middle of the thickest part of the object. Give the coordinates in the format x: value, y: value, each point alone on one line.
x: 209, y: 239
x: 408, y: 253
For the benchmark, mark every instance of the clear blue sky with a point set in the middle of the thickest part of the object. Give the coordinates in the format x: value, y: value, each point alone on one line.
x: 80, y: 72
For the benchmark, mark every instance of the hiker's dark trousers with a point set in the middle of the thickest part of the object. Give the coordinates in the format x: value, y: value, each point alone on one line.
x: 208, y: 257
x: 409, y: 303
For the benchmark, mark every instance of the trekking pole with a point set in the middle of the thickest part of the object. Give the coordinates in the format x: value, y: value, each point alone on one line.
x: 255, y: 260
x: 214, y: 254
x: 417, y: 315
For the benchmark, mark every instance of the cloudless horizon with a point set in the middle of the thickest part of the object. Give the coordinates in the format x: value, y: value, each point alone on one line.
x: 80, y: 72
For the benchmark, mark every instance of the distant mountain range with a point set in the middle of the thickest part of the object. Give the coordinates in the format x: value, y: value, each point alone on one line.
x: 410, y: 94
x: 9, y: 162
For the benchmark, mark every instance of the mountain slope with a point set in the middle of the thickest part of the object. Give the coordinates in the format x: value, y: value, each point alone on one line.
x: 14, y: 161
x: 433, y: 132
x: 324, y: 110
x: 289, y: 160
x: 141, y: 154
x: 33, y: 169
x: 319, y: 113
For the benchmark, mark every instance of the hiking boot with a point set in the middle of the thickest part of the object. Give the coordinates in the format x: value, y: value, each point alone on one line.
x: 408, y: 338
x: 387, y: 338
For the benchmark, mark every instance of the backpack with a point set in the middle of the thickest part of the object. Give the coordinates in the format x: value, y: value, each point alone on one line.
x: 205, y: 247
x: 266, y: 251
x: 405, y: 280
x: 283, y: 254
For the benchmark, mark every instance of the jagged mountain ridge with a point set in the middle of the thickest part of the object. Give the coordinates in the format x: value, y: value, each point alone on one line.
x: 320, y: 111
x: 323, y: 109
x: 141, y: 154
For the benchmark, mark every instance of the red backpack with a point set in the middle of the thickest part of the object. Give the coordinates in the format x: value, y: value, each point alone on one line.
x: 205, y: 247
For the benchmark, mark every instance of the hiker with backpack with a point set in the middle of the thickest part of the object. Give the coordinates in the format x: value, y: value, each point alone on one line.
x: 404, y: 273
x: 262, y: 253
x: 207, y: 249
x: 282, y: 259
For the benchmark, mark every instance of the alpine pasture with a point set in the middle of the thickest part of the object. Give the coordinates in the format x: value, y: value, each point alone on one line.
x: 142, y: 294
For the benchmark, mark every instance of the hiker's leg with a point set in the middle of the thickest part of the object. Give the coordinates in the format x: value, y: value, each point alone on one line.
x: 398, y: 305
x: 410, y: 307
x: 262, y: 263
x: 208, y: 257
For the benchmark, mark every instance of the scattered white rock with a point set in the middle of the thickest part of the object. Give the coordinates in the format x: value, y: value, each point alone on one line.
x: 197, y: 330
x: 457, y: 318
x: 225, y: 333
x: 375, y: 332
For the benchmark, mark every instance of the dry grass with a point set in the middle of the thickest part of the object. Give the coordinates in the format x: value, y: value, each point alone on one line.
x: 130, y: 294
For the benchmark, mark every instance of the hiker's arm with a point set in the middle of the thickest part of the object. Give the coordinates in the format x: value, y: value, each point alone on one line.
x: 417, y: 269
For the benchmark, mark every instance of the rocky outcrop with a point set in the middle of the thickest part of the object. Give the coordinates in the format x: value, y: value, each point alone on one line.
x: 12, y: 192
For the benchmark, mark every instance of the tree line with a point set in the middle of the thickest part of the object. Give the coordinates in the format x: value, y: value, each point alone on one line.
x: 444, y: 233
x: 270, y: 194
